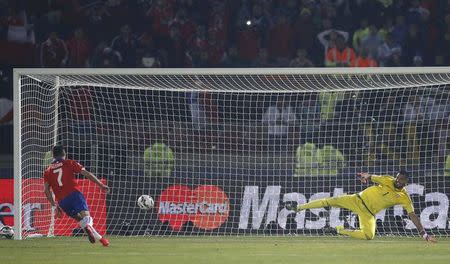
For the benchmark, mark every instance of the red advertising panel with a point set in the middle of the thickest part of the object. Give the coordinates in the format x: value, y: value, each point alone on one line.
x: 207, y: 206
x: 6, y: 201
x: 36, y: 209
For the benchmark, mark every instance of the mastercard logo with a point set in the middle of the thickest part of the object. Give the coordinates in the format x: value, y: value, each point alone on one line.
x: 207, y: 206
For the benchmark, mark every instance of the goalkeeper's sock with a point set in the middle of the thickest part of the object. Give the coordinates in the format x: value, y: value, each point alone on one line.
x: 359, y: 234
x: 320, y: 203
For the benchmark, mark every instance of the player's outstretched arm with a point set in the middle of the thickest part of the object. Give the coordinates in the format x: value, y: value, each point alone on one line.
x: 419, y: 226
x: 92, y: 177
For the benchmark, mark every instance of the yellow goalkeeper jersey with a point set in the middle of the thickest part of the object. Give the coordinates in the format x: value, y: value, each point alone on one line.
x: 384, y: 195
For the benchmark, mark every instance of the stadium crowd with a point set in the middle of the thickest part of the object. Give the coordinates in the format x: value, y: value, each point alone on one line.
x: 224, y: 33
x: 221, y: 33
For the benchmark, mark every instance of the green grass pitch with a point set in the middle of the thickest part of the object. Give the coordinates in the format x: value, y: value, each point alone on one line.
x: 187, y: 250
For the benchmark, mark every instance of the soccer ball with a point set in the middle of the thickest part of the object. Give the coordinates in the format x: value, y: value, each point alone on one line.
x: 7, y: 231
x: 145, y: 202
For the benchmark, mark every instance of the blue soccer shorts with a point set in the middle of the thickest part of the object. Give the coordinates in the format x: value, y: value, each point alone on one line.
x: 73, y: 204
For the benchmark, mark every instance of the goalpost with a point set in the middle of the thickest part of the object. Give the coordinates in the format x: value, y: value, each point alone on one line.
x: 222, y: 151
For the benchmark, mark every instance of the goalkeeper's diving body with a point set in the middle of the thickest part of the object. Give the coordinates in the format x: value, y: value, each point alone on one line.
x: 387, y: 192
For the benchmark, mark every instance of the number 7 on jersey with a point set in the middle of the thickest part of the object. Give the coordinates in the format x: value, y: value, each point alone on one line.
x: 60, y: 173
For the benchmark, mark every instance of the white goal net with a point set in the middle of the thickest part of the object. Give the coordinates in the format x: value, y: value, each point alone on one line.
x: 222, y: 151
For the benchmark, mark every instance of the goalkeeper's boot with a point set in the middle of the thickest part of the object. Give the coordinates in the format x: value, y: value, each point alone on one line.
x: 89, y: 233
x: 339, y: 229
x: 104, y: 241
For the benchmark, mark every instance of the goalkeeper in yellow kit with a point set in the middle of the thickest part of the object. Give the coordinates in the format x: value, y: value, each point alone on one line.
x: 387, y: 192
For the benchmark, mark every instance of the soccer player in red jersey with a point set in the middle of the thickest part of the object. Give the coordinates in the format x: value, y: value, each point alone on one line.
x: 59, y: 177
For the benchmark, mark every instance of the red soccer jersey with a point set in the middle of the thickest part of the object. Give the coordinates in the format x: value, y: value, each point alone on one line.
x: 61, y: 177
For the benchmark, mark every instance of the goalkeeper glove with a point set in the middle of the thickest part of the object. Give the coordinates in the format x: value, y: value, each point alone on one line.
x: 291, y: 206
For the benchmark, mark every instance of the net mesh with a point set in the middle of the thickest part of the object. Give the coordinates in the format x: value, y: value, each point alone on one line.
x: 224, y: 153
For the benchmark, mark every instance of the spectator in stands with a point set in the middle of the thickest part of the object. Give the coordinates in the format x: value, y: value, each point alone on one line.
x: 288, y: 8
x: 304, y: 30
x: 330, y: 160
x: 417, y: 61
x: 158, y: 160
x: 392, y: 8
x: 248, y: 42
x: 243, y: 13
x: 309, y: 117
x: 340, y: 55
x: 53, y: 52
x: 80, y: 104
x: 281, y: 62
x: 217, y: 29
x: 197, y: 109
x: 146, y: 47
x: 163, y: 57
x: 361, y: 33
x: 442, y: 53
x: 105, y: 57
x: 16, y: 27
x: 149, y: 60
x: 328, y: 12
x: 328, y: 39
x: 198, y: 43
x: 185, y: 24
x: 279, y: 118
x: 416, y: 13
x: 175, y: 49
x: 437, y: 108
x: 372, y: 42
x: 309, y: 110
x: 280, y: 37
x: 79, y: 49
x: 126, y: 44
x: 306, y: 161
x: 6, y: 111
x: 400, y: 30
x: 259, y: 19
x: 146, y: 42
x: 231, y: 58
x: 263, y: 59
x: 328, y: 102
x: 394, y: 61
x: 387, y: 50
x: 301, y: 60
x: 216, y: 51
x: 97, y: 21
x: 203, y: 109
x: 386, y: 28
x: 413, y: 111
x: 363, y: 59
x: 201, y: 60
x: 441, y: 58
x: 413, y: 45
x: 424, y: 26
x: 160, y: 14
x: 344, y: 15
